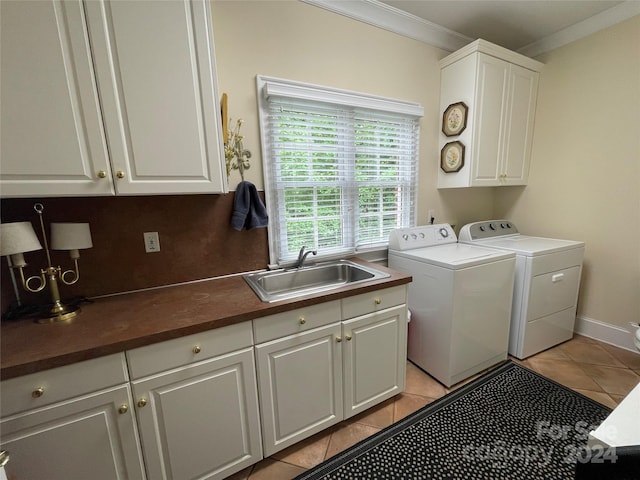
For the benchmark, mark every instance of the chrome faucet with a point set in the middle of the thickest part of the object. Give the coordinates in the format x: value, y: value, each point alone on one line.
x: 302, y: 256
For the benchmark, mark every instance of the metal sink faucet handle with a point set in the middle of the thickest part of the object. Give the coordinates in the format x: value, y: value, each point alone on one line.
x: 303, y: 255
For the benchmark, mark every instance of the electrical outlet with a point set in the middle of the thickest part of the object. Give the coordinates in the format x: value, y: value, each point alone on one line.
x: 431, y: 216
x: 151, y: 242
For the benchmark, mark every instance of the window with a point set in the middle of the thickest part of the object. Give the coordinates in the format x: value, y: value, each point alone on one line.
x: 340, y: 168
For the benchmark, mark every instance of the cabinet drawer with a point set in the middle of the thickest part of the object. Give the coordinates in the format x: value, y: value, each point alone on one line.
x: 296, y: 321
x: 50, y: 386
x: 373, y: 301
x: 181, y: 351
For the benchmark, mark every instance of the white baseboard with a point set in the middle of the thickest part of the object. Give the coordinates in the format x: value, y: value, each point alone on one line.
x: 605, y: 332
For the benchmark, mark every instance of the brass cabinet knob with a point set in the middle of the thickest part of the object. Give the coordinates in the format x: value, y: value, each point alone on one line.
x: 102, y: 174
x: 142, y: 402
x: 120, y: 174
x: 196, y: 349
x: 123, y: 409
x: 377, y: 301
x: 302, y: 321
x: 38, y: 392
x: 348, y: 337
x: 338, y: 339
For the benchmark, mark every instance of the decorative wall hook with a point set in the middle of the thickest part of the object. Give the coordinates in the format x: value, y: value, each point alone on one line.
x: 236, y: 156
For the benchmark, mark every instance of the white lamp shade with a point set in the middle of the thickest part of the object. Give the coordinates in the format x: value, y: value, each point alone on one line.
x: 70, y: 236
x: 18, y: 237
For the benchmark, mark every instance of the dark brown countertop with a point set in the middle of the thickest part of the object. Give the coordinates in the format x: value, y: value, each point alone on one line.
x: 122, y: 322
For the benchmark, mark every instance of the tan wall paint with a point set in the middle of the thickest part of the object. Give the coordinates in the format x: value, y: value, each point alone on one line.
x: 585, y: 178
x: 584, y: 181
x: 296, y: 41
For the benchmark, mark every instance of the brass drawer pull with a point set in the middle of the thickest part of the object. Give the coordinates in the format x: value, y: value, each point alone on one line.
x: 302, y: 321
x: 142, y: 402
x: 196, y: 349
x: 123, y: 409
x: 348, y: 337
x: 38, y: 392
x: 377, y: 301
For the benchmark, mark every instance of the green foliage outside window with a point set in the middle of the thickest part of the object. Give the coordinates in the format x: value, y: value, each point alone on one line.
x: 339, y: 180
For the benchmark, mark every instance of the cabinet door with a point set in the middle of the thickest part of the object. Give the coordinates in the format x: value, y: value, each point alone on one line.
x: 523, y: 90
x: 86, y: 437
x: 375, y: 358
x: 200, y: 421
x: 489, y: 120
x: 51, y: 141
x: 155, y: 72
x: 300, y: 385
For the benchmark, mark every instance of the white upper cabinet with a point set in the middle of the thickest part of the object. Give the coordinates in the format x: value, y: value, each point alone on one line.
x: 51, y: 140
x: 499, y: 89
x: 103, y: 98
x: 155, y: 70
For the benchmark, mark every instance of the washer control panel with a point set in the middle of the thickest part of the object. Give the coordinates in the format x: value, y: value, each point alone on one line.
x: 488, y: 229
x: 422, y: 236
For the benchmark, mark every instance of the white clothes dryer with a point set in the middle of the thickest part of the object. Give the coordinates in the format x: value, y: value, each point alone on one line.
x: 460, y: 301
x: 547, y: 279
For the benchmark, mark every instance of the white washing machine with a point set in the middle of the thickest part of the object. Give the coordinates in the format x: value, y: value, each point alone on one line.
x: 545, y: 295
x: 460, y: 301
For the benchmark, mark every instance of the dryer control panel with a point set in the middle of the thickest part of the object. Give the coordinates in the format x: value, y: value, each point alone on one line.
x: 488, y: 229
x: 421, y: 236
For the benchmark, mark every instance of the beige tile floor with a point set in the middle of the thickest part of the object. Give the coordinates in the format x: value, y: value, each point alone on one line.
x: 600, y: 371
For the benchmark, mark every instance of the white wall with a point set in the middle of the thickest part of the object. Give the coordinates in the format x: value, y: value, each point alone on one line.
x: 296, y: 41
x: 584, y: 180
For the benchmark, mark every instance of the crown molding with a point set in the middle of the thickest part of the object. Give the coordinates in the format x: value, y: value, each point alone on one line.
x: 619, y: 13
x: 383, y: 16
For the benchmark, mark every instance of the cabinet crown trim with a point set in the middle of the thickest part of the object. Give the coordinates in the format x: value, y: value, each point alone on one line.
x: 482, y: 46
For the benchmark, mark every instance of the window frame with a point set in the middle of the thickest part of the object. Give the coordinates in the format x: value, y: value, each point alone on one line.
x: 268, y: 87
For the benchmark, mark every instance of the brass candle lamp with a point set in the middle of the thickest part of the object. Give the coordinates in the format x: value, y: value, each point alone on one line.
x: 19, y: 237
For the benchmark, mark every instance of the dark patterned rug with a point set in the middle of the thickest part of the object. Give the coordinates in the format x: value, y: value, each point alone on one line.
x: 511, y: 423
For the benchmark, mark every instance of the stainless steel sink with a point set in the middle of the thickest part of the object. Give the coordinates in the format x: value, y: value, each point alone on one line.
x: 278, y: 285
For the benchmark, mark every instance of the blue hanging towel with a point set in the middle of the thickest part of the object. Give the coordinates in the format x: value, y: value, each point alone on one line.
x: 248, y: 210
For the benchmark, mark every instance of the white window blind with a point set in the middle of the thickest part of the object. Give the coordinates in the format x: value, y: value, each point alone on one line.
x: 339, y: 176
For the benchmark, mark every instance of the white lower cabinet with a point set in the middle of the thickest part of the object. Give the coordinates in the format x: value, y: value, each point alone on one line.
x: 313, y: 378
x: 300, y: 384
x: 207, y: 405
x: 198, y: 420
x: 374, y: 358
x: 57, y: 426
